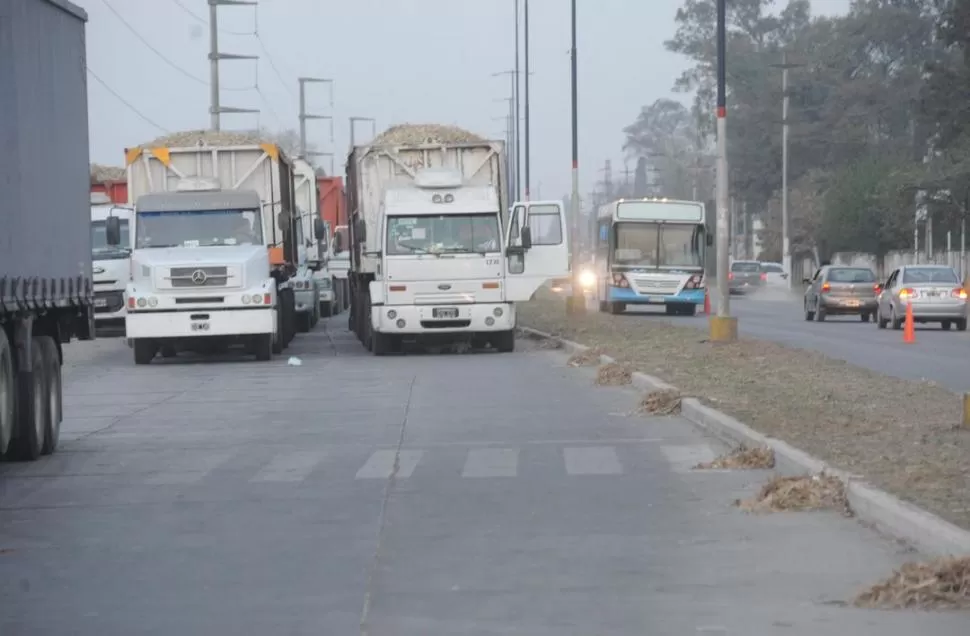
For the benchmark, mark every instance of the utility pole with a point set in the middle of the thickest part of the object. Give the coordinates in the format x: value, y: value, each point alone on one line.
x: 518, y: 111
x: 304, y: 116
x: 723, y: 327
x: 577, y: 300
x: 514, y: 137
x: 785, y: 66
x: 507, y: 118
x: 216, y: 109
x: 526, y: 46
x: 354, y: 120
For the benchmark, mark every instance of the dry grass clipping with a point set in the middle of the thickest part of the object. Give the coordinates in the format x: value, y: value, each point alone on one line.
x: 662, y: 402
x: 939, y: 584
x: 549, y: 343
x: 587, y: 358
x: 810, y: 492
x: 742, y: 458
x: 614, y: 374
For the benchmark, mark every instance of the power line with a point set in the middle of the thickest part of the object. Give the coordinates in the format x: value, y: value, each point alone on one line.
x: 202, y: 20
x: 269, y: 58
x: 162, y: 55
x: 125, y: 102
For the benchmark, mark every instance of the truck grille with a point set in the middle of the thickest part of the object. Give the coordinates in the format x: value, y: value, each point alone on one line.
x: 199, y: 276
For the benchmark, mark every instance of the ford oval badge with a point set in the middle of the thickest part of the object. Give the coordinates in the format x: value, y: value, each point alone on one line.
x: 444, y: 287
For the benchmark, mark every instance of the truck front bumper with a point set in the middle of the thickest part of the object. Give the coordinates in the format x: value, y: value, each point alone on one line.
x: 200, y: 322
x: 304, y: 300
x: 423, y: 319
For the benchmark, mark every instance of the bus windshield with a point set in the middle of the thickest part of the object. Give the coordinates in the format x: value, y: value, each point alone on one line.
x: 654, y: 245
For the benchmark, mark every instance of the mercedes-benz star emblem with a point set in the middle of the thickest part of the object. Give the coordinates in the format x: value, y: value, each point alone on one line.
x: 199, y: 277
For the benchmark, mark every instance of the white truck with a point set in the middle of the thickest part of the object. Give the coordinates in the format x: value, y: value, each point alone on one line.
x: 306, y: 285
x: 215, y: 246
x: 339, y: 267
x: 433, y: 258
x: 111, y: 263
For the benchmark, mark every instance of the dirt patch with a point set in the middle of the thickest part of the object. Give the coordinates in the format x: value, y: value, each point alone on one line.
x: 899, y: 434
x: 587, y: 358
x: 614, y: 374
x: 790, y: 494
x: 940, y: 584
x: 663, y: 402
x: 743, y: 458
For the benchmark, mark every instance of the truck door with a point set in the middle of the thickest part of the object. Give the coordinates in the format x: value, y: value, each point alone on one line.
x: 547, y: 258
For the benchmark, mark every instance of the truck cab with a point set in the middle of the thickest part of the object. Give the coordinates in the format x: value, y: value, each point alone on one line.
x: 111, y: 264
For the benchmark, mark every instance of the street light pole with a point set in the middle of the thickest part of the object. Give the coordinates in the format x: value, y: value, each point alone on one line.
x: 785, y: 66
x: 723, y: 327
x: 577, y: 300
x: 526, y: 47
x: 518, y: 112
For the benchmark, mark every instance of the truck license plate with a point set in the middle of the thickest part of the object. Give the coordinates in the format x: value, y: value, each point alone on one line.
x: 100, y: 302
x: 200, y: 326
x: 445, y: 312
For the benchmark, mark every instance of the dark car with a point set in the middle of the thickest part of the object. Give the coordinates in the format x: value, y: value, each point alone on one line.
x: 746, y: 276
x: 841, y: 291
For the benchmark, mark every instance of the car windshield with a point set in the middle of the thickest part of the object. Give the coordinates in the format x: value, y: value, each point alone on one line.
x: 198, y: 228
x: 745, y: 266
x: 654, y: 245
x: 447, y: 234
x: 930, y: 275
x: 851, y: 275
x: 772, y: 268
x: 100, y: 250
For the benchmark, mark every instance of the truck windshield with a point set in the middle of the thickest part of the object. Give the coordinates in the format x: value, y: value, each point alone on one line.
x: 198, y: 228
x: 100, y: 250
x: 656, y: 245
x: 449, y: 234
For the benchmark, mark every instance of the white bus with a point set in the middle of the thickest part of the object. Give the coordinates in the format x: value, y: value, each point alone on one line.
x: 651, y: 252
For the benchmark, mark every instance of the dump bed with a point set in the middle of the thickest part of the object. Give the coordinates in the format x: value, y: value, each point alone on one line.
x: 45, y: 236
x: 374, y: 169
x: 259, y: 166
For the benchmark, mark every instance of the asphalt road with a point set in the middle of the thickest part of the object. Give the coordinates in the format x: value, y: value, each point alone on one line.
x: 479, y: 494
x: 937, y: 355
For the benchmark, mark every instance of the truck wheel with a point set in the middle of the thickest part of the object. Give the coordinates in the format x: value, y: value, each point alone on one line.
x: 55, y: 394
x: 504, y: 341
x: 326, y: 309
x: 8, y: 388
x: 304, y: 322
x: 145, y: 350
x: 263, y: 346
x: 33, y: 407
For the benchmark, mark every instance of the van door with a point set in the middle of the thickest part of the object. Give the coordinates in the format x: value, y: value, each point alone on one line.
x: 546, y: 259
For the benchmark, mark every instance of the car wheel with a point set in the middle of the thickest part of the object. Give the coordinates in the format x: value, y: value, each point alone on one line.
x: 864, y: 317
x: 809, y: 314
x: 897, y: 322
x: 945, y: 325
x: 819, y: 313
x: 880, y: 321
x: 961, y: 324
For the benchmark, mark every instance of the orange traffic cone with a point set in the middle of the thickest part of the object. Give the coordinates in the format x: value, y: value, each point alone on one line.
x: 909, y: 329
x: 707, y: 302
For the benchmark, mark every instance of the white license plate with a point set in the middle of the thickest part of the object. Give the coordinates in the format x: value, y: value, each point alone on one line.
x: 200, y: 326
x: 851, y: 303
x: 445, y: 312
x: 100, y: 302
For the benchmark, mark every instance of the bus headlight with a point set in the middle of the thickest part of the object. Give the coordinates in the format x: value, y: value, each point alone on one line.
x: 587, y: 279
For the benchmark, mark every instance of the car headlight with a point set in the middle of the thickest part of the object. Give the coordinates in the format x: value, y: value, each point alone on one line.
x: 587, y: 279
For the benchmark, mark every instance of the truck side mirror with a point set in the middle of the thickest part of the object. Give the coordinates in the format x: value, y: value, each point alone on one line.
x: 319, y: 229
x: 525, y: 234
x: 112, y: 230
x: 338, y: 243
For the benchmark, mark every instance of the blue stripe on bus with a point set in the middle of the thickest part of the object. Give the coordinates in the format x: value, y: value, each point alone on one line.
x: 627, y: 295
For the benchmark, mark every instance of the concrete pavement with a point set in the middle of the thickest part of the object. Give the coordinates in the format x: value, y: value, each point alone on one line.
x: 477, y: 494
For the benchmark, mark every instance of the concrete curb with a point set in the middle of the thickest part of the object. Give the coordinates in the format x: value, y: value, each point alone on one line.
x: 923, y: 530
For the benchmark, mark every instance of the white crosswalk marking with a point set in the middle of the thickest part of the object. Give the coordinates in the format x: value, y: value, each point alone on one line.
x: 592, y: 460
x: 381, y: 464
x: 491, y: 462
x: 682, y: 459
x: 289, y: 467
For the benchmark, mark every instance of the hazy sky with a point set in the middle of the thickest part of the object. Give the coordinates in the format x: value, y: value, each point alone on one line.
x: 394, y: 60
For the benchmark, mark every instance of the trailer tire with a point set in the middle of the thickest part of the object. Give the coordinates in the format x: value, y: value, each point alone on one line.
x: 145, y: 350
x: 263, y: 345
x: 33, y: 406
x: 326, y: 309
x: 304, y: 321
x: 8, y: 393
x: 55, y: 394
x: 504, y: 341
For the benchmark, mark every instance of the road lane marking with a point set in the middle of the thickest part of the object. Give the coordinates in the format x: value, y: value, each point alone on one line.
x: 592, y: 460
x: 381, y: 464
x: 289, y: 467
x: 491, y: 462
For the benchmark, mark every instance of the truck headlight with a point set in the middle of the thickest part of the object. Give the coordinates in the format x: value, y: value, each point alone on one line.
x: 587, y: 279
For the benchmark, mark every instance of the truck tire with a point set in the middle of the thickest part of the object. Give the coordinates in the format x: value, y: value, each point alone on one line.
x: 145, y: 350
x: 504, y: 341
x: 33, y: 406
x: 8, y: 393
x: 263, y: 345
x: 326, y: 309
x: 55, y: 394
x: 304, y: 321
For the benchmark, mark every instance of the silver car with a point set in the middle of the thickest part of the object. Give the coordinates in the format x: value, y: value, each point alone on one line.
x: 934, y: 291
x: 841, y: 291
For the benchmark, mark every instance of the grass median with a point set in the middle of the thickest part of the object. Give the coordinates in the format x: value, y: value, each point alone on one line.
x: 902, y: 435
